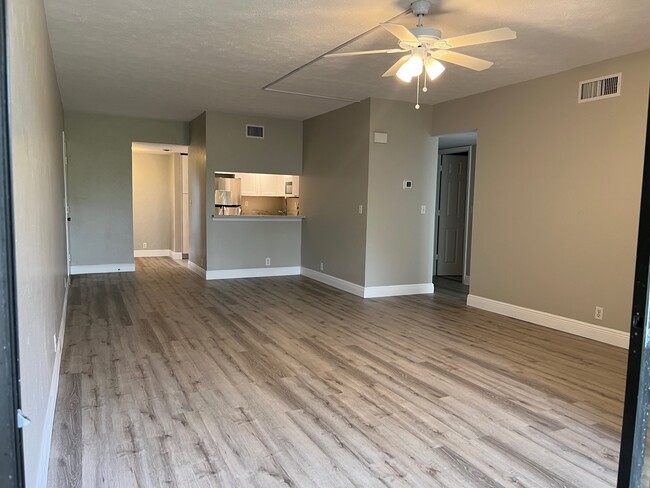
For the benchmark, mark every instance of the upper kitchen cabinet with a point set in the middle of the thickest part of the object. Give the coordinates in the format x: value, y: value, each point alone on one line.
x: 250, y: 183
x: 263, y: 185
x: 272, y: 185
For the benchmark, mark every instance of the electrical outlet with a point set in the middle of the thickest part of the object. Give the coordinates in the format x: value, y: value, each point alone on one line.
x: 321, y: 266
x: 360, y: 209
x: 268, y: 261
x: 599, y: 313
x: 144, y: 245
x: 245, y: 203
x: 423, y: 209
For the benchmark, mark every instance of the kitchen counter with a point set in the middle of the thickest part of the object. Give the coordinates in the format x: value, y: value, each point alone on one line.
x: 253, y: 218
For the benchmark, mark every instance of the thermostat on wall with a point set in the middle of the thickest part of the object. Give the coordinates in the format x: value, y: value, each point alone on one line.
x: 407, y: 184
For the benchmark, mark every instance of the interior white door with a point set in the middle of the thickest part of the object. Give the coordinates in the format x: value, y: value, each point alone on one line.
x: 451, y: 215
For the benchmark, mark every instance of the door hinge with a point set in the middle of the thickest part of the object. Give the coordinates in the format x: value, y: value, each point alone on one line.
x: 23, y: 420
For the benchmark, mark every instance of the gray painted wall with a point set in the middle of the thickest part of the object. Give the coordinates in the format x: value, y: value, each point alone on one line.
x: 99, y: 175
x: 37, y: 160
x: 228, y: 149
x: 334, y: 183
x: 197, y: 161
x: 153, y: 200
x: 280, y: 152
x: 240, y: 245
x: 400, y: 238
x: 557, y: 190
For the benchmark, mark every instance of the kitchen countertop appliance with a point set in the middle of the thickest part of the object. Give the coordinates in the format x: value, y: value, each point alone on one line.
x: 227, y: 196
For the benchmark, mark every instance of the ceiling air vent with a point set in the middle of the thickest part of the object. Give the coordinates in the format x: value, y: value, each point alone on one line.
x: 599, y: 88
x: 255, y: 131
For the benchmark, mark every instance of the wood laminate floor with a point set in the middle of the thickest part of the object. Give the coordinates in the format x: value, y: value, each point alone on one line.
x: 168, y: 380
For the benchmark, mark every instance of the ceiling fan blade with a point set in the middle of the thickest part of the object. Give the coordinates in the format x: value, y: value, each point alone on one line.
x: 358, y: 53
x: 393, y: 69
x: 462, y: 60
x: 503, y: 34
x: 401, y: 32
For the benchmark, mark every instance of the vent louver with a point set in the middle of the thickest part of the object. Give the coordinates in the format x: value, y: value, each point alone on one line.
x: 255, y: 131
x: 599, y: 88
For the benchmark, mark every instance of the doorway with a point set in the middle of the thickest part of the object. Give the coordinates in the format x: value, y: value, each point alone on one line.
x: 159, y: 184
x: 452, y: 250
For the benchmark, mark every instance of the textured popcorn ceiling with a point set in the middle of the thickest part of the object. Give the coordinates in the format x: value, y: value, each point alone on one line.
x: 174, y: 59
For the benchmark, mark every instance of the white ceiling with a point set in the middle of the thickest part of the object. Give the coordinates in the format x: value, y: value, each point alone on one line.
x: 173, y: 59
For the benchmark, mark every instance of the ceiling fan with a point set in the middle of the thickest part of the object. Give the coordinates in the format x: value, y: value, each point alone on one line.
x: 426, y: 48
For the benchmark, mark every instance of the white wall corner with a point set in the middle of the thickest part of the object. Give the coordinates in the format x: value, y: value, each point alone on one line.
x: 227, y: 274
x: 195, y: 268
x: 48, y: 426
x: 101, y: 268
x: 398, y: 290
x: 151, y: 253
x: 583, y: 329
x: 347, y: 286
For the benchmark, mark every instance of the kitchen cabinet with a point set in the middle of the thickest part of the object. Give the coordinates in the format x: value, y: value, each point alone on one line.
x: 272, y: 185
x: 250, y: 184
x: 254, y: 185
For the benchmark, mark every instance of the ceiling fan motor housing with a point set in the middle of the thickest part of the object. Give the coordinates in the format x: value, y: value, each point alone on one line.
x: 421, y: 7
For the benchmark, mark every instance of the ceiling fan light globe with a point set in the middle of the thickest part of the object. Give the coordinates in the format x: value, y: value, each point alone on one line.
x: 434, y: 68
x: 412, y: 67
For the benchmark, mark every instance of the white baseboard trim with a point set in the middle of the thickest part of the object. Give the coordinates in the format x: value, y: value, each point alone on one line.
x: 151, y: 253
x: 333, y: 281
x: 583, y: 329
x: 48, y: 427
x: 227, y: 274
x: 176, y: 255
x: 196, y: 269
x: 397, y: 290
x: 101, y: 268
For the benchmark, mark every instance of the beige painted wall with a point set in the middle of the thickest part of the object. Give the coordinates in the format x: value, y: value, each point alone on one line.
x: 557, y: 190
x: 399, y: 237
x: 280, y: 152
x: 100, y: 187
x: 39, y: 219
x: 153, y: 200
x: 334, y: 183
x: 197, y: 161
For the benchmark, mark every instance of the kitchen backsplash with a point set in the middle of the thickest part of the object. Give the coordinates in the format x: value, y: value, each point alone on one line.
x: 262, y: 205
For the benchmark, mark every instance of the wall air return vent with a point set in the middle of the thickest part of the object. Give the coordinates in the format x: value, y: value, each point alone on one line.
x: 599, y: 88
x: 255, y: 131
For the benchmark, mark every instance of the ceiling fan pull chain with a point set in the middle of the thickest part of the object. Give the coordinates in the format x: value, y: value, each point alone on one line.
x: 417, y: 95
x: 424, y: 88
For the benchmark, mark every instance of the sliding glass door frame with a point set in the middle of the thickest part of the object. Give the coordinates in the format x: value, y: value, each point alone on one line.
x: 637, y: 388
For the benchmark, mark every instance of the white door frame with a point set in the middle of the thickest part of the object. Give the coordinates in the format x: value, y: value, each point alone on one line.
x: 66, y: 203
x: 468, y: 207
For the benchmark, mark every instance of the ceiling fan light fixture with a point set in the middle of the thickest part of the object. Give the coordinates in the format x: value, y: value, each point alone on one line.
x: 434, y: 68
x: 412, y: 67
